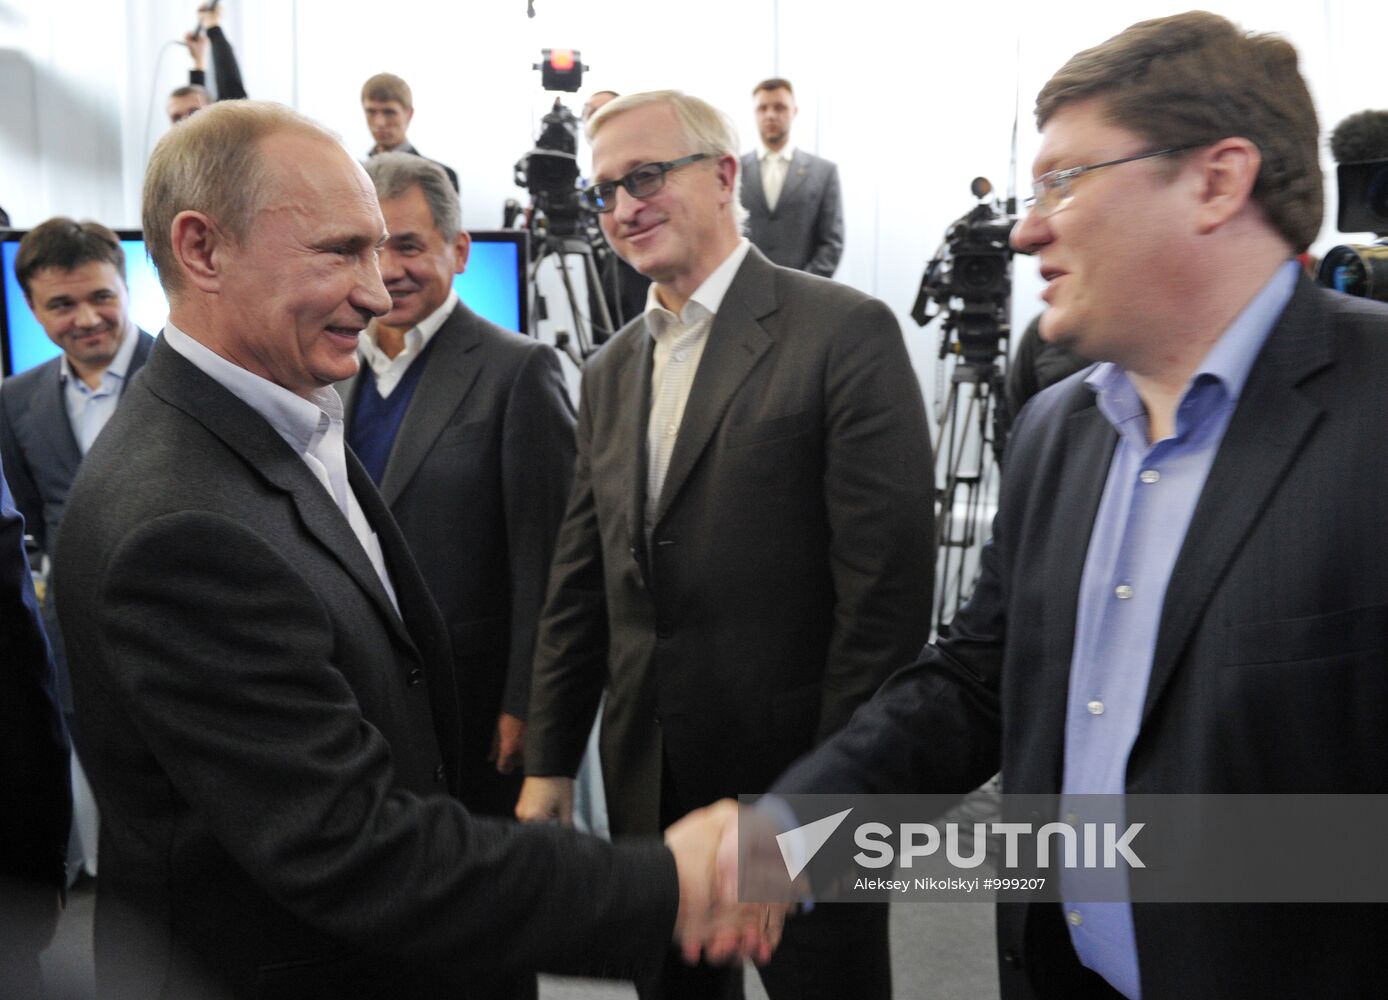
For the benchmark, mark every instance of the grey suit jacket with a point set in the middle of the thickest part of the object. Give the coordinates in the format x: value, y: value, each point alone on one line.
x: 477, y: 481
x: 37, y: 444
x: 41, y: 458
x: 1268, y: 673
x: 272, y: 745
x: 790, y: 563
x: 806, y: 229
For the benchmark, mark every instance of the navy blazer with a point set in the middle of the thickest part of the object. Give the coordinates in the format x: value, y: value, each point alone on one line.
x: 1268, y: 673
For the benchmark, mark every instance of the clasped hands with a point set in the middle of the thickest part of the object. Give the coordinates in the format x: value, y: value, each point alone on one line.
x: 721, y: 853
x: 714, y: 874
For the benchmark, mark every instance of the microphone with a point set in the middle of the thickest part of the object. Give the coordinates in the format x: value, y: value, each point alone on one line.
x: 197, y: 32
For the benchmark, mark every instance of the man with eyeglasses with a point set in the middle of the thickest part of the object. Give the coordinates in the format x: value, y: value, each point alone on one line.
x: 1186, y: 589
x: 747, y: 549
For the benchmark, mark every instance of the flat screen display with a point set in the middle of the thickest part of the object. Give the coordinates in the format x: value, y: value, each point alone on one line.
x: 493, y: 286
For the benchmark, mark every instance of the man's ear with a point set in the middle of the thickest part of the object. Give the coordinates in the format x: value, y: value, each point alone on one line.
x: 200, y: 249
x: 1229, y: 169
x: 462, y: 245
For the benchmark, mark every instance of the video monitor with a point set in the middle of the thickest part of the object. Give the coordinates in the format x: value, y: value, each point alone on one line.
x: 493, y: 286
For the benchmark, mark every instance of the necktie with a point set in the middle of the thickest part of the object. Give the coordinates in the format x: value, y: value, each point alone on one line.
x: 773, y: 177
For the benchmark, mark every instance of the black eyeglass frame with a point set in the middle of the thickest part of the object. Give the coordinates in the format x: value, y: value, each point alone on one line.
x: 1059, y: 180
x: 602, y: 197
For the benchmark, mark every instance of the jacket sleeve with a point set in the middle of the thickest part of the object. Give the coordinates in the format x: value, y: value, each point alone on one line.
x: 828, y: 228
x: 537, y: 471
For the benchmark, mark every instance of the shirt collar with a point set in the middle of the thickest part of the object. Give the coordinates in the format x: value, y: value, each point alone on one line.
x: 706, y: 298
x: 295, y: 418
x: 1227, y: 363
x: 418, y: 336
x: 787, y: 151
x: 119, y: 365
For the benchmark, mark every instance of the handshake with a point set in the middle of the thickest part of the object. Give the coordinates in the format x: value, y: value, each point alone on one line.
x: 721, y: 853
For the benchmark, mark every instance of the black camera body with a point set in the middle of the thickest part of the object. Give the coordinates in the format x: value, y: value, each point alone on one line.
x: 550, y: 173
x: 970, y: 281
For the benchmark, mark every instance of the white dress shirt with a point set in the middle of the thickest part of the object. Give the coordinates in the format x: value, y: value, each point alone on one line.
x: 312, y: 427
x: 389, y: 371
x: 89, y: 409
x: 679, y: 345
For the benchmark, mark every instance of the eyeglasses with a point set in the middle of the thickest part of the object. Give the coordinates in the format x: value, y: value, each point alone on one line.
x: 1052, y: 193
x: 642, y: 182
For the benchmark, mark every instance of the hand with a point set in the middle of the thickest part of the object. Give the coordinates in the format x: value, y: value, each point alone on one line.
x: 209, y: 16
x: 508, y: 743
x: 546, y: 800
x: 197, y: 46
x: 710, y: 920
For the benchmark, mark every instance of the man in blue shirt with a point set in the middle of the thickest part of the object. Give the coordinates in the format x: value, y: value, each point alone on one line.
x: 1187, y: 586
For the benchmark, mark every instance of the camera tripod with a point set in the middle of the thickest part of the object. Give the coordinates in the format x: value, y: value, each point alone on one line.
x: 587, y: 336
x: 968, y: 447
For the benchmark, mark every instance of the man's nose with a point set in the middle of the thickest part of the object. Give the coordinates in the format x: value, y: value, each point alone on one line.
x: 1031, y: 232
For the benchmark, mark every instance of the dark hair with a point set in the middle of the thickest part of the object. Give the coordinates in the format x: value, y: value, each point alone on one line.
x: 1196, y: 78
x: 65, y: 244
x: 773, y: 83
x: 189, y: 89
x: 387, y: 87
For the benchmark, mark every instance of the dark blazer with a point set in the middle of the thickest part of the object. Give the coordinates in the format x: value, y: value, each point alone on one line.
x: 477, y: 481
x: 35, y: 787
x: 41, y: 458
x: 806, y: 229
x: 1269, y: 669
x: 35, y: 794
x: 271, y: 745
x: 36, y: 441
x: 790, y: 562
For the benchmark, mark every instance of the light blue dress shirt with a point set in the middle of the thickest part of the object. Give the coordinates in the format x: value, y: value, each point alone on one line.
x: 88, y: 409
x: 1146, y: 509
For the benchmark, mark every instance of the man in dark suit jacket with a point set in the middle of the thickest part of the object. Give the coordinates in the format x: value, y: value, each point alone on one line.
x: 35, y: 789
x: 1187, y: 586
x: 264, y: 682
x: 73, y: 278
x: 468, y: 431
x: 794, y: 206
x: 747, y: 545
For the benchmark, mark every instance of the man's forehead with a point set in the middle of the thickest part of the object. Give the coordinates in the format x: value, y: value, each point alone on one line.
x: 645, y: 134
x: 778, y: 96
x: 1077, y: 134
x: 97, y: 273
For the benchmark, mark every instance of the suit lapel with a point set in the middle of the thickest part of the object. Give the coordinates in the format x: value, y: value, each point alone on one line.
x: 143, y: 343
x: 1268, y: 428
x: 50, y: 411
x: 735, y: 344
x: 182, y: 384
x: 751, y: 184
x: 444, y: 385
x: 796, y: 172
x: 635, y: 383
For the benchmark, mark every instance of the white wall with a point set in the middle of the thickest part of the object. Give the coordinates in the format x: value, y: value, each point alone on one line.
x: 912, y: 100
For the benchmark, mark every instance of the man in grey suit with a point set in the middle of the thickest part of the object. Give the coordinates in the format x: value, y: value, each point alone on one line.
x: 467, y: 429
x: 748, y: 545
x: 794, y: 206
x: 265, y: 684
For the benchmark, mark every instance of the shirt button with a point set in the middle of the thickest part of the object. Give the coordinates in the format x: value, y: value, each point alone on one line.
x: 1150, y: 476
x: 670, y: 431
x: 1123, y: 592
x: 1075, y: 918
x: 1096, y: 707
x: 679, y: 355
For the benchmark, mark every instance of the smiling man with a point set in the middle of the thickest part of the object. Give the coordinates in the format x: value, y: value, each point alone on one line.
x: 1185, y: 590
x: 468, y: 431
x: 265, y: 685
x: 73, y: 278
x: 748, y: 545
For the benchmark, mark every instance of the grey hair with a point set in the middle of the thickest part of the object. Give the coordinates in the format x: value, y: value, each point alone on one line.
x: 395, y: 173
x: 704, y: 129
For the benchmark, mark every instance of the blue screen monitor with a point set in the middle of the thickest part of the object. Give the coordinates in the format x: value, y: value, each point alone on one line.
x: 493, y: 286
